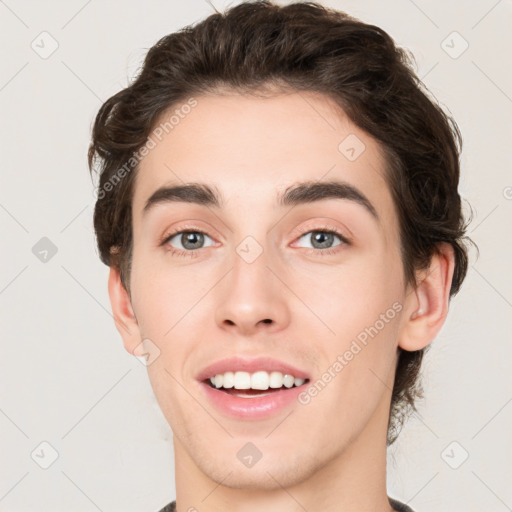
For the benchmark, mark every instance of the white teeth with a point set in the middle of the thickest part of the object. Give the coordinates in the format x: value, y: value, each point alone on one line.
x: 276, y: 380
x: 229, y: 380
x: 288, y: 380
x: 260, y: 380
x: 242, y: 380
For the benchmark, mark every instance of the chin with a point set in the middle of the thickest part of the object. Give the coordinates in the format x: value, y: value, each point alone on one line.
x: 276, y: 472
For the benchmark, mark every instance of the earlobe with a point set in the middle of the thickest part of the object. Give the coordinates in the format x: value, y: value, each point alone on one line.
x: 124, y: 316
x: 427, y: 306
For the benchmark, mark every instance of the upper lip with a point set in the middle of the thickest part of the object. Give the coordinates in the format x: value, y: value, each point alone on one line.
x: 241, y: 364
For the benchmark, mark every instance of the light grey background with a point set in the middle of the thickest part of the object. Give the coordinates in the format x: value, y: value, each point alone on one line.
x: 65, y: 376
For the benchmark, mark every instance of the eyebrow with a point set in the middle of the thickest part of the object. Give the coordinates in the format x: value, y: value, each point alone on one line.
x: 300, y: 193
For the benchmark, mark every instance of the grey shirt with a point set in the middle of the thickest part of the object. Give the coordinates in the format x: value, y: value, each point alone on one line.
x: 397, y: 505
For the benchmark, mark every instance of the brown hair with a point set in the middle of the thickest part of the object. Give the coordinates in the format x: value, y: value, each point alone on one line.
x: 302, y: 46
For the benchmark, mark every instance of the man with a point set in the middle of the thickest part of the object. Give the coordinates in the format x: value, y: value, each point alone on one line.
x: 278, y: 206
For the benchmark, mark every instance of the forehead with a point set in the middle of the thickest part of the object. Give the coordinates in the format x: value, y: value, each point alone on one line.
x: 251, y: 148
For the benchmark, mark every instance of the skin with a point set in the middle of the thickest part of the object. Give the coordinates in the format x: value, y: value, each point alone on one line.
x: 330, y: 454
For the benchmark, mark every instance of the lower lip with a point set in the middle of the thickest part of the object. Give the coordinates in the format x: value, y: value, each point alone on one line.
x: 258, y: 407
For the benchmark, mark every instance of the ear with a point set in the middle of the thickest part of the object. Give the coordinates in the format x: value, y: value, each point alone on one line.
x: 124, y: 317
x: 427, y: 305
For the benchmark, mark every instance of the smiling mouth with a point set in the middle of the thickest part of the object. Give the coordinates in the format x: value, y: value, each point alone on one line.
x: 253, y: 396
x: 250, y: 392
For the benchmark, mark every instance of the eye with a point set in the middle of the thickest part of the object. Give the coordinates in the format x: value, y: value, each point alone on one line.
x: 322, y: 240
x: 189, y: 240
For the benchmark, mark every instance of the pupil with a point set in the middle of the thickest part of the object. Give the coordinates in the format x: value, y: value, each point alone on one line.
x: 189, y: 238
x: 319, y: 235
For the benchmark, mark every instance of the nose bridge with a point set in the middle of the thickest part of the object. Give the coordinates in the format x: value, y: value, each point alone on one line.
x: 251, y: 293
x: 252, y: 244
x: 250, y: 275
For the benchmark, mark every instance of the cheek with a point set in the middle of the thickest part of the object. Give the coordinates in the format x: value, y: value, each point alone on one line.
x: 363, y: 310
x: 161, y: 294
x: 350, y: 297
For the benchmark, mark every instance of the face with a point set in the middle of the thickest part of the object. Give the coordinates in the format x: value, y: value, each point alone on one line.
x: 309, y: 285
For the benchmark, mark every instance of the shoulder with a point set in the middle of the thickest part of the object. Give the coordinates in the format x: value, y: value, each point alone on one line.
x: 170, y: 507
x: 398, y: 506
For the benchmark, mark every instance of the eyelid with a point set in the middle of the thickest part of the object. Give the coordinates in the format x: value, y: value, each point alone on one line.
x: 299, y: 232
x: 169, y: 233
x: 315, y: 226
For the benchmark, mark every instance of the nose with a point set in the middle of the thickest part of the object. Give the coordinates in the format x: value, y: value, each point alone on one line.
x: 252, y: 298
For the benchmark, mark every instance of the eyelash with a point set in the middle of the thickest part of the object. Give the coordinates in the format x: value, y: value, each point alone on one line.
x: 193, y: 253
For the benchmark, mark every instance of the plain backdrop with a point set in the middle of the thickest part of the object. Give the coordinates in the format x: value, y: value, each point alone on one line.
x: 71, y: 397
